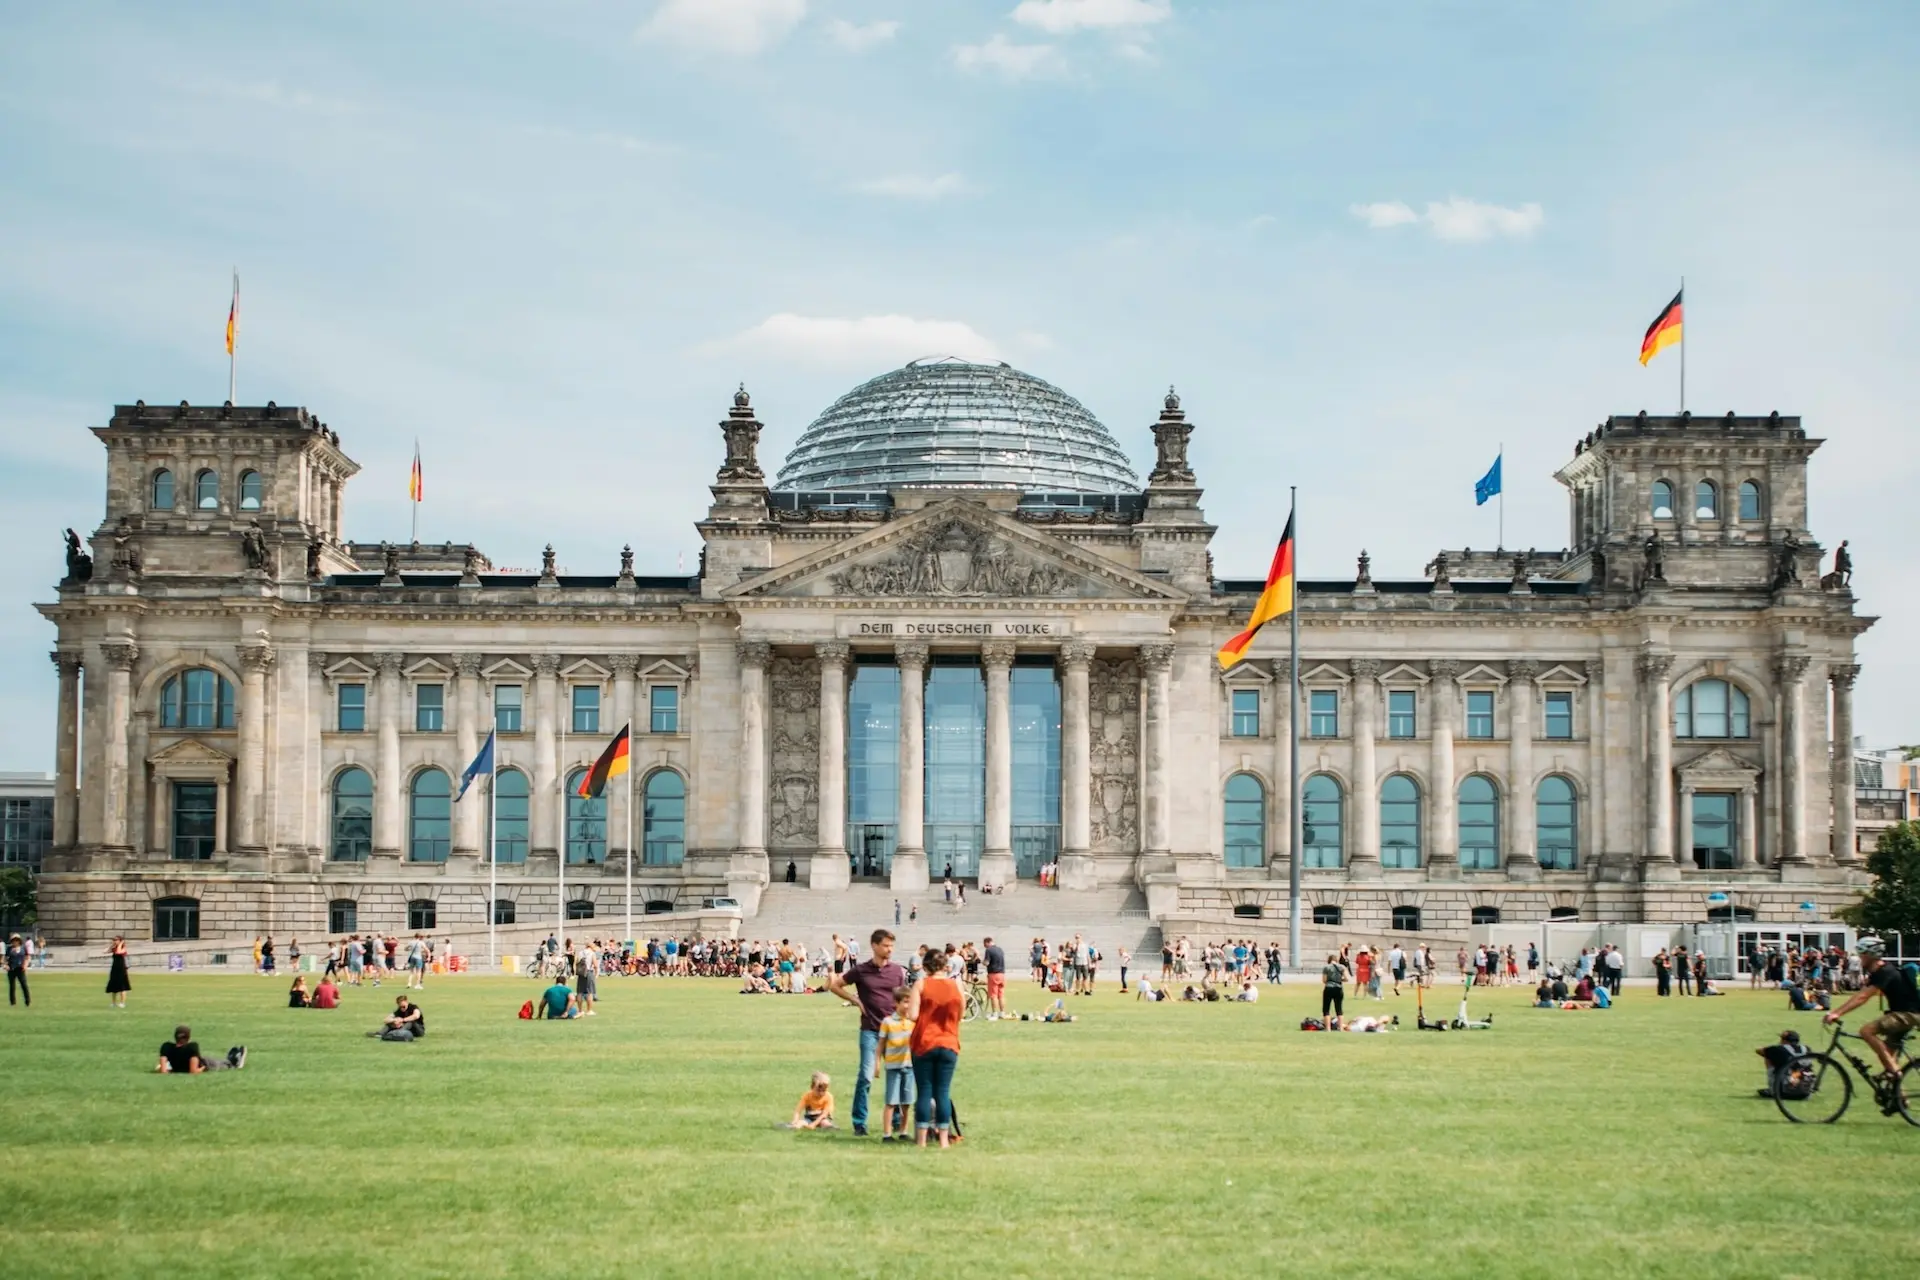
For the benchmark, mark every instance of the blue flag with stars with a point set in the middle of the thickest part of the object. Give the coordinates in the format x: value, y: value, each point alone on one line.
x: 1488, y: 484
x: 482, y: 764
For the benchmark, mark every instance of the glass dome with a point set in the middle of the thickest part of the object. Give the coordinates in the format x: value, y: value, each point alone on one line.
x: 948, y: 422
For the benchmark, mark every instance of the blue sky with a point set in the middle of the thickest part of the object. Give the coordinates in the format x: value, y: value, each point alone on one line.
x: 1368, y: 242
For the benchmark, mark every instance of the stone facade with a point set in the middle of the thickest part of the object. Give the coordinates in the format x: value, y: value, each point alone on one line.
x: 235, y: 670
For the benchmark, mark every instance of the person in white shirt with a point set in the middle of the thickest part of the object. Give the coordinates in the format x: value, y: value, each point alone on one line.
x: 1249, y: 994
x: 1397, y: 962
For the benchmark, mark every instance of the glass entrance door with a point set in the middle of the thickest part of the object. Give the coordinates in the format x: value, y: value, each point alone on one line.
x: 956, y: 769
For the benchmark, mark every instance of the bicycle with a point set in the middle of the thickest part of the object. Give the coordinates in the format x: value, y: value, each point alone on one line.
x: 1816, y: 1089
x: 976, y: 1001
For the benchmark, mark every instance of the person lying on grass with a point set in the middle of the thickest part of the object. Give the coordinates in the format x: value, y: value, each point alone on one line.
x: 181, y: 1056
x: 558, y: 1001
x: 815, y: 1108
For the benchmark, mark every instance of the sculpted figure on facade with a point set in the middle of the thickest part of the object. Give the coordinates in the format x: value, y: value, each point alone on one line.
x: 794, y: 725
x: 1114, y: 740
x: 1170, y: 444
x: 954, y: 559
x: 253, y: 545
x: 79, y: 563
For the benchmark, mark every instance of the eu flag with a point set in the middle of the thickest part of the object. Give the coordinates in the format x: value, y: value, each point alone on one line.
x: 482, y: 764
x: 1488, y: 484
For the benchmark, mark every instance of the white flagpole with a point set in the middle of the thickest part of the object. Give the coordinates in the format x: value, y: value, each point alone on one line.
x: 233, y: 346
x: 630, y: 848
x: 1295, y: 824
x: 1501, y: 458
x: 560, y: 854
x: 493, y: 854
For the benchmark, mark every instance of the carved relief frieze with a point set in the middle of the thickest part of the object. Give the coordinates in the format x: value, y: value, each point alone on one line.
x: 793, y: 725
x: 954, y: 559
x: 1114, y: 738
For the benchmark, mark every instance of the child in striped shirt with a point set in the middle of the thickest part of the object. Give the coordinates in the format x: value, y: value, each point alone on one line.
x: 896, y: 1062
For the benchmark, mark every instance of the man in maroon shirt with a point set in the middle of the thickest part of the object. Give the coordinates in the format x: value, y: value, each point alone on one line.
x: 868, y: 987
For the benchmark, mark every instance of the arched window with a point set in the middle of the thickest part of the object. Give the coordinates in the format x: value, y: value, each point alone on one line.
x: 196, y: 699
x: 1326, y: 915
x: 1406, y: 919
x: 664, y: 833
x: 503, y: 912
x: 352, y: 820
x: 1400, y: 823
x: 206, y: 491
x: 176, y: 919
x: 1706, y: 501
x: 1246, y: 821
x: 1556, y: 824
x: 1662, y: 500
x: 343, y: 916
x: 250, y: 490
x: 1486, y: 915
x: 1479, y: 813
x: 510, y: 816
x: 1749, y: 500
x: 1322, y: 819
x: 580, y: 909
x: 586, y: 823
x: 1711, y: 709
x: 430, y: 817
x: 162, y: 497
x: 423, y: 914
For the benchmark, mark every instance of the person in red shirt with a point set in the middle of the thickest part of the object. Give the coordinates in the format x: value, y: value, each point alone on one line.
x: 326, y: 995
x: 1362, y: 969
x: 935, y: 1008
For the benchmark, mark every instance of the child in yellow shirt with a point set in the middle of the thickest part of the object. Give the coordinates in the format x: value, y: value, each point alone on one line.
x: 896, y: 1063
x: 815, y: 1109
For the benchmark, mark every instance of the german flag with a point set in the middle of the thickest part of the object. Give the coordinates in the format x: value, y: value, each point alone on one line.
x: 1276, y: 600
x: 233, y: 314
x: 1664, y: 332
x: 611, y: 764
x: 416, y: 482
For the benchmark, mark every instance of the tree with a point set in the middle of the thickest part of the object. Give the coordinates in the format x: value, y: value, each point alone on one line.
x: 1893, y: 904
x: 19, y: 906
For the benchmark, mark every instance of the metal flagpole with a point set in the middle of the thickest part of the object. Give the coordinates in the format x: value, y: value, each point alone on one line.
x: 493, y: 850
x: 233, y: 335
x: 1501, y: 458
x: 1683, y: 344
x: 560, y: 853
x: 415, y: 495
x: 1294, y: 824
x: 630, y: 850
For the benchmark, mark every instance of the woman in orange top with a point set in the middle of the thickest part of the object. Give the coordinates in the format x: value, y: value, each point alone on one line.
x: 935, y: 1008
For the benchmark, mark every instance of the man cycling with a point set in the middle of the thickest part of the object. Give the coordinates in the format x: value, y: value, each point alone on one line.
x: 1894, y: 984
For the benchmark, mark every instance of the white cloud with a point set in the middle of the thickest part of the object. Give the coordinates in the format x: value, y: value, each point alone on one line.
x: 1014, y: 61
x: 1058, y: 17
x: 1455, y: 219
x: 1034, y: 341
x: 914, y: 186
x: 856, y: 38
x: 740, y: 27
x: 865, y: 341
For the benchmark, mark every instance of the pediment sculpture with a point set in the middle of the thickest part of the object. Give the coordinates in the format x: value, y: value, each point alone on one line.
x: 954, y: 559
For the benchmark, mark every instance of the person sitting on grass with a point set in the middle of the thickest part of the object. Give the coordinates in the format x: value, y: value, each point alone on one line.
x: 408, y: 1023
x: 1249, y: 994
x: 1801, y: 1002
x: 326, y: 995
x: 756, y: 985
x: 1584, y: 991
x: 1543, y: 995
x: 181, y: 1056
x: 558, y: 1001
x: 297, y: 997
x: 815, y: 1108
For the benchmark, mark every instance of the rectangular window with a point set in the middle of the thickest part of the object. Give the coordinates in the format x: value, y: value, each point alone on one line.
x: 1713, y: 830
x: 586, y: 708
x: 1323, y: 707
x: 429, y: 708
x: 1246, y: 713
x: 1479, y: 714
x: 29, y: 831
x: 1400, y: 713
x: 1559, y: 715
x: 195, y: 814
x: 506, y: 708
x: 343, y: 916
x: 663, y: 709
x: 352, y: 708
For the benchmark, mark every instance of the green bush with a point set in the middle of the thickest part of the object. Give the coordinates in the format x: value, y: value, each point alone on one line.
x: 1893, y: 904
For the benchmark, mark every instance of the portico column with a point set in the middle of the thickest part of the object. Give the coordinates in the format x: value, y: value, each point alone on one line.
x: 1660, y: 847
x: 1522, y: 853
x: 255, y: 661
x: 1792, y: 670
x: 1157, y: 659
x: 1747, y: 845
x: 1686, y: 824
x: 830, y: 869
x: 1444, y: 834
x: 996, y: 857
x: 754, y: 656
x: 1842, y: 678
x: 546, y: 758
x: 120, y: 656
x: 909, y: 874
x: 66, y: 752
x: 1364, y: 860
x: 1076, y: 749
x: 623, y: 828
x: 387, y: 813
x: 470, y: 814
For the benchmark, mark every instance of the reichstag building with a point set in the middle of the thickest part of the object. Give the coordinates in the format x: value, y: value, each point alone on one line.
x: 955, y: 635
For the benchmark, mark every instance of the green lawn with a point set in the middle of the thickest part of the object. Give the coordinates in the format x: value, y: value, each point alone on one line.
x: 1169, y: 1140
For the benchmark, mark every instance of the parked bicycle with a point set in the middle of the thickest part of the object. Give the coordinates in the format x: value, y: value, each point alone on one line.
x: 976, y: 998
x: 1817, y: 1088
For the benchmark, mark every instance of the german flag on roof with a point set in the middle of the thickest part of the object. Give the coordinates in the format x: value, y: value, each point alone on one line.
x: 1664, y: 332
x: 1276, y: 600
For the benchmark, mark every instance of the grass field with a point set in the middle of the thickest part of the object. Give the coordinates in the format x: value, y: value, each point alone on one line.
x: 1170, y: 1140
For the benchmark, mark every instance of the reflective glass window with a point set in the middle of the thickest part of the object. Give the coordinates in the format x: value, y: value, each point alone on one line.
x: 1246, y: 821
x: 1322, y: 817
x: 1400, y: 822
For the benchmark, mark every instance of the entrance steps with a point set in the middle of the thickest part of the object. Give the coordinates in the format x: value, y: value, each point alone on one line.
x: 1110, y: 918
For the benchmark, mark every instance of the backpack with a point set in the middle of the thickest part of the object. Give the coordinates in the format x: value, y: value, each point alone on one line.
x: 1312, y: 1024
x: 1795, y: 1080
x: 526, y: 1010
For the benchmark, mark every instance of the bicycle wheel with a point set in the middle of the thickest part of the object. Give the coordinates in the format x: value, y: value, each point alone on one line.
x: 1817, y: 1091
x: 972, y: 1008
x: 1908, y: 1098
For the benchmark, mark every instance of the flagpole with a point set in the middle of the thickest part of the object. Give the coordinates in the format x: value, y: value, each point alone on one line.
x: 560, y: 854
x: 629, y: 937
x: 1501, y: 458
x: 1683, y: 344
x: 233, y: 338
x: 1294, y: 823
x: 493, y: 852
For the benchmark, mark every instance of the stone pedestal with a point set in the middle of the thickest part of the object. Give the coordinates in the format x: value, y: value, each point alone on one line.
x: 1078, y: 871
x: 828, y: 870
x: 909, y: 873
x: 996, y: 868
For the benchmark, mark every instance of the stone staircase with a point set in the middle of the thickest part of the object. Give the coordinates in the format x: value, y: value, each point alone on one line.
x: 1110, y: 918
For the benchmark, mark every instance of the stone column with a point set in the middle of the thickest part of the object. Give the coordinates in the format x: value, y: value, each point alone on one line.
x: 115, y: 778
x: 1590, y: 831
x: 754, y: 656
x: 318, y: 818
x: 1842, y: 677
x: 1686, y: 825
x: 251, y: 772
x: 1076, y: 749
x: 996, y: 855
x: 1363, y: 861
x: 389, y: 802
x: 1747, y: 845
x: 470, y: 814
x: 544, y: 812
x: 830, y: 869
x: 1156, y: 741
x: 623, y: 825
x: 66, y: 752
x: 222, y: 815
x: 1792, y: 671
x: 1443, y: 828
x: 1655, y: 669
x: 909, y: 852
x: 1522, y: 848
x: 1281, y: 823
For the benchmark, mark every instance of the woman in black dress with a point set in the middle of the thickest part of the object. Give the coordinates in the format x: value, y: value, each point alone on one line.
x: 117, y: 983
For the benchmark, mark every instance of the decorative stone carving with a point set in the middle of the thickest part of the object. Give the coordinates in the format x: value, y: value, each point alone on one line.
x: 1076, y: 653
x: 69, y: 664
x: 793, y: 783
x: 1438, y: 568
x: 1596, y: 672
x: 1523, y: 671
x: 1656, y: 558
x: 1786, y: 563
x: 120, y: 654
x: 1842, y: 575
x: 1170, y: 443
x: 1521, y: 562
x: 1157, y: 657
x: 1074, y: 515
x: 127, y: 560
x: 1443, y: 670
x: 79, y: 563
x: 547, y: 573
x: 391, y: 554
x: 313, y: 559
x: 626, y: 564
x: 317, y: 661
x: 624, y: 665
x: 1655, y: 666
x: 467, y: 664
x: 1114, y: 738
x: 1366, y: 668
x: 253, y: 545
x: 953, y: 559
x: 833, y: 653
x: 258, y: 657
x: 910, y: 654
x: 997, y: 653
x: 1363, y: 575
x: 389, y: 664
x: 1792, y: 667
x: 742, y: 433
x: 1843, y: 675
x: 831, y: 515
x: 470, y: 567
x: 754, y: 653
x: 545, y: 664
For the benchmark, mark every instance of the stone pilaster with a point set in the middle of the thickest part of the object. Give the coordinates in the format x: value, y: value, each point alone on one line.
x: 1443, y: 843
x: 318, y: 818
x: 754, y: 657
x: 1281, y: 823
x: 546, y: 810
x: 910, y: 852
x: 1841, y: 677
x: 256, y: 660
x: 120, y: 656
x: 1791, y: 671
x: 1660, y: 854
x: 1590, y: 834
x: 470, y: 814
x: 996, y: 855
x: 66, y: 751
x: 623, y: 824
x: 1363, y: 860
x: 1076, y: 750
x: 1157, y: 741
x: 389, y: 803
x: 830, y: 869
x: 1522, y: 852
